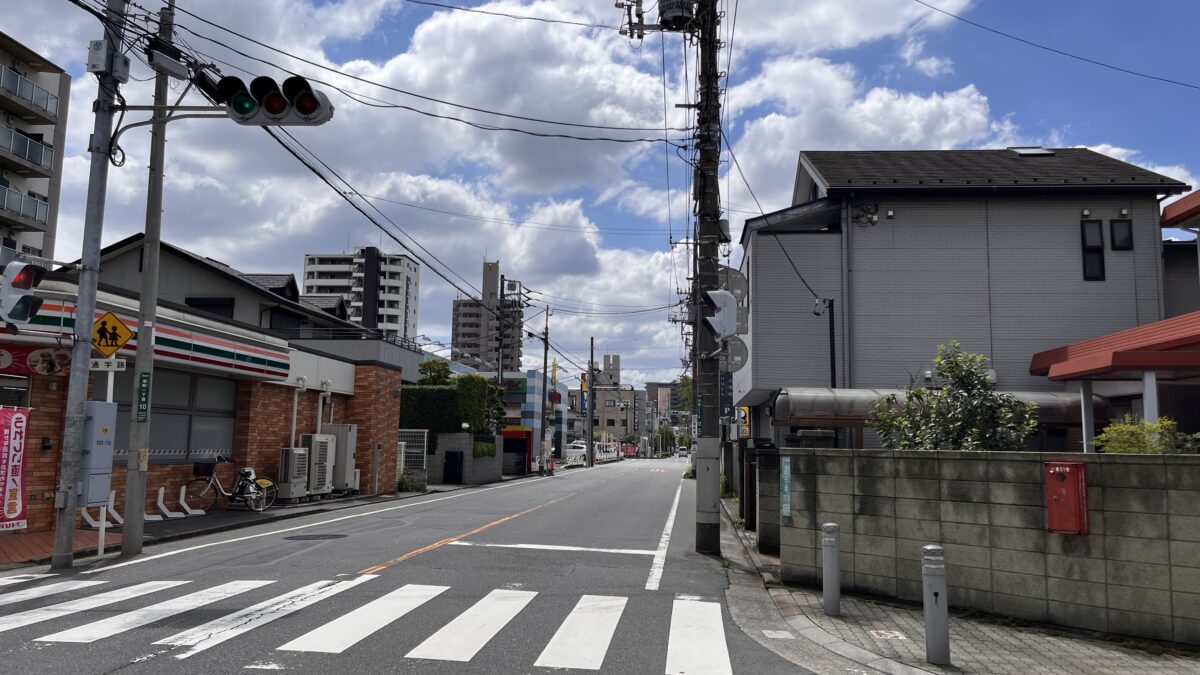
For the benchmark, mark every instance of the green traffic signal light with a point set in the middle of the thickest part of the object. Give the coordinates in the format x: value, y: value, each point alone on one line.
x: 243, y: 103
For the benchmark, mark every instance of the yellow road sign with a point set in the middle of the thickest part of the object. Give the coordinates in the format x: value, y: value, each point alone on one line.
x: 109, y: 334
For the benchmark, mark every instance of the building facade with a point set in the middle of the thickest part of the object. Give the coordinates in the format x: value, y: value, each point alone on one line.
x: 33, y: 125
x: 491, y: 327
x: 1009, y: 252
x: 382, y: 290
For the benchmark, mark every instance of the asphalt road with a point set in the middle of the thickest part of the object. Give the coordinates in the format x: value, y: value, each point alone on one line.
x: 571, y: 573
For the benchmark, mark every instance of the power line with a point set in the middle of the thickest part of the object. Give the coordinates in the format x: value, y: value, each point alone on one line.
x: 586, y: 302
x: 1060, y: 52
x: 511, y: 16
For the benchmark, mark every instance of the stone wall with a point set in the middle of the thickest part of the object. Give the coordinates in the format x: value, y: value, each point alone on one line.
x: 476, y: 470
x: 1136, y: 573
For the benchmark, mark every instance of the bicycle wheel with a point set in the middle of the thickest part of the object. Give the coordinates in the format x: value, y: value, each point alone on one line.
x: 201, y: 494
x: 265, y: 495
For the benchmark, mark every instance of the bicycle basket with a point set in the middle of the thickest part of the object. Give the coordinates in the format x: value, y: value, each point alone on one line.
x: 203, y: 469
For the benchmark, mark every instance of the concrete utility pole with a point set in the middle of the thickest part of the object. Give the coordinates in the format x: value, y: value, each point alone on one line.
x: 143, y: 365
x: 500, y: 340
x: 591, y: 400
x: 707, y: 381
x: 85, y: 307
x: 545, y: 392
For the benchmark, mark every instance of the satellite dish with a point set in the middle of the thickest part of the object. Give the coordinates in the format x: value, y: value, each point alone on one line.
x: 733, y: 281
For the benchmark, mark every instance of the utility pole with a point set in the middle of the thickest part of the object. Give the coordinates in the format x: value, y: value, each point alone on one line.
x: 545, y: 392
x: 707, y: 365
x: 500, y: 340
x: 591, y: 399
x: 143, y: 365
x: 85, y: 307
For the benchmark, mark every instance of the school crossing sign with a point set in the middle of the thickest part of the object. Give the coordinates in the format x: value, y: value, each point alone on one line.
x: 109, y: 334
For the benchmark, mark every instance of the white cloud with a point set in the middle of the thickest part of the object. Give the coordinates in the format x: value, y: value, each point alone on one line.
x: 912, y: 50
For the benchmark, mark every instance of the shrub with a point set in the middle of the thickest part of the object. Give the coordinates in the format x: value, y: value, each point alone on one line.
x: 430, y: 407
x: 473, y: 400
x: 484, y: 449
x: 1132, y: 436
x: 404, y: 483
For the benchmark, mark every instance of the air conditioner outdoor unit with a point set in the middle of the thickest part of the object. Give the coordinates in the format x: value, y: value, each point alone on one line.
x: 343, y: 466
x: 293, y: 473
x: 320, y: 462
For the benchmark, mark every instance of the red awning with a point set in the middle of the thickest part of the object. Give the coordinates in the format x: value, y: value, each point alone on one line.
x: 1171, y: 344
x: 1180, y: 212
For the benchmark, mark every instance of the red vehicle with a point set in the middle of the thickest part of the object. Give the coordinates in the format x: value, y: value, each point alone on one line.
x: 628, y: 450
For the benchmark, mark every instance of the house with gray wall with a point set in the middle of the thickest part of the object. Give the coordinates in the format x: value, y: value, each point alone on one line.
x: 1009, y: 252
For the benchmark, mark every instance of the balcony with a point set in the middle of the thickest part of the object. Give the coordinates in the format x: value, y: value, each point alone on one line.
x: 23, y: 155
x: 27, y: 100
x: 22, y: 212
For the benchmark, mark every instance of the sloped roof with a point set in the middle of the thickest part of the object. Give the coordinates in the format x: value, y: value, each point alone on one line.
x: 1170, y: 344
x: 1056, y: 169
x: 1182, y: 213
x: 323, y: 301
x: 270, y: 281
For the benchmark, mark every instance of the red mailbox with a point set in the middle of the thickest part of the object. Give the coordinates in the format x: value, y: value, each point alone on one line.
x: 1066, y: 497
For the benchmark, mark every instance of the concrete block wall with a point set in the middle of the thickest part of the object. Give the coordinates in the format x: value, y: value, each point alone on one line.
x: 1136, y: 573
x: 476, y: 470
x: 767, y: 503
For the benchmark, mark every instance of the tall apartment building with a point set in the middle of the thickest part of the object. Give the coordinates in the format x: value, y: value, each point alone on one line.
x: 382, y: 290
x: 477, y: 324
x: 33, y: 128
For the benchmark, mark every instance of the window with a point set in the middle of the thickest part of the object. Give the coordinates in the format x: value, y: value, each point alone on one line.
x: 610, y: 403
x: 612, y: 422
x: 1122, y: 234
x: 1092, y: 233
x: 193, y: 416
x: 219, y: 306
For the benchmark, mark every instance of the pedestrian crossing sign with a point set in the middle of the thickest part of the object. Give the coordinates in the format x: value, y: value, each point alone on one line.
x: 109, y: 334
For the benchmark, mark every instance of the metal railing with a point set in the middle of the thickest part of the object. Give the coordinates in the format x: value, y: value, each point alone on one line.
x: 23, y: 205
x: 20, y: 86
x: 410, y: 451
x: 25, y: 147
x: 388, y: 336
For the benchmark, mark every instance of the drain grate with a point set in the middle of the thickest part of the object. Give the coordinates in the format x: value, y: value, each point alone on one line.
x: 314, y: 537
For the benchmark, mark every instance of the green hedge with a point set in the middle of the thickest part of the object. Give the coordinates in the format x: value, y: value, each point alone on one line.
x: 473, y: 400
x: 430, y: 407
x: 484, y: 449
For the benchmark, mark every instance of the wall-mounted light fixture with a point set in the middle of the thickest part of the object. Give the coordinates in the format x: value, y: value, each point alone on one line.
x: 891, y: 214
x: 1124, y: 212
x: 1086, y: 213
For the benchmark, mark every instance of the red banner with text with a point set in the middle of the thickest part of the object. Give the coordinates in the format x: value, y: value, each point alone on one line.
x: 13, y: 425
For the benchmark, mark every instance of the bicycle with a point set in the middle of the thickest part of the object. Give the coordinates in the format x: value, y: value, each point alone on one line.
x: 202, y: 492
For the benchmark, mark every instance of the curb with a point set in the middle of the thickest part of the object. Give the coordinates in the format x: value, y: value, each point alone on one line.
x: 807, y: 629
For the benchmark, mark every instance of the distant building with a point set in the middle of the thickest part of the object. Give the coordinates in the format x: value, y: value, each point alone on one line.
x: 33, y: 127
x: 477, y: 330
x: 382, y: 290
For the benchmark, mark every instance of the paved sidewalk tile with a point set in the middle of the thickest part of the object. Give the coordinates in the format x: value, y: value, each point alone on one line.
x: 979, y: 647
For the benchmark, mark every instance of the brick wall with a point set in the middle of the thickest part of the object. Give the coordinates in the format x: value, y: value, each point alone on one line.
x: 1136, y: 573
x: 375, y: 408
x: 48, y: 400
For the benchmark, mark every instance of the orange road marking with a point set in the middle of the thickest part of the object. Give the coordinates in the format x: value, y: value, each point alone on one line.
x: 438, y: 544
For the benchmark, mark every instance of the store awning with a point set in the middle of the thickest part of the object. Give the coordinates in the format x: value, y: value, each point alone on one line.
x: 824, y: 407
x: 1168, y: 347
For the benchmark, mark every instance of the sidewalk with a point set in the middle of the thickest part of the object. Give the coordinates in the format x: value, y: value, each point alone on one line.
x: 890, y: 637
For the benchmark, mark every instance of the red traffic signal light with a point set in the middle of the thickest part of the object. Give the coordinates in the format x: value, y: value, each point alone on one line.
x: 18, y: 305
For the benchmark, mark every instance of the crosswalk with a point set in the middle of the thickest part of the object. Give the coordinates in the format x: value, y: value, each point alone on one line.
x: 696, y: 637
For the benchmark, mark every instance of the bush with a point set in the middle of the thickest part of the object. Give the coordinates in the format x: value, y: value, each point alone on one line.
x: 473, y: 400
x: 430, y: 407
x: 1132, y: 436
x: 483, y: 449
x: 404, y: 483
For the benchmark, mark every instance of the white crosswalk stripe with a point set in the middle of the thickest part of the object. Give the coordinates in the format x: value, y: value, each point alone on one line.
x: 582, y: 640
x: 147, y: 615
x: 228, y: 627
x: 696, y: 645
x: 344, y: 632
x: 22, y: 578
x: 49, y: 589
x: 462, y: 638
x: 83, y: 604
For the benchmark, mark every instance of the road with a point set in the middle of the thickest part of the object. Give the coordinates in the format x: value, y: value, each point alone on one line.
x: 583, y: 571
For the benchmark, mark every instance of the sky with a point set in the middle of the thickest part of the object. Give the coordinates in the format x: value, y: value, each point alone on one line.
x: 598, y: 229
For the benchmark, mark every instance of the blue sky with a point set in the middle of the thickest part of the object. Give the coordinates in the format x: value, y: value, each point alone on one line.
x: 817, y: 74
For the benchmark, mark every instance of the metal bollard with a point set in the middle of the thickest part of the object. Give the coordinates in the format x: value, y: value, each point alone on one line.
x: 937, y: 609
x: 831, y: 569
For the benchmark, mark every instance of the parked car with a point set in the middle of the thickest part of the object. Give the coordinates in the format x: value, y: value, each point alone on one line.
x: 681, y: 451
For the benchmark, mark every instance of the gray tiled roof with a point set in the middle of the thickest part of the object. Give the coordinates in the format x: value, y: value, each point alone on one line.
x: 1066, y: 168
x: 322, y: 301
x: 268, y: 281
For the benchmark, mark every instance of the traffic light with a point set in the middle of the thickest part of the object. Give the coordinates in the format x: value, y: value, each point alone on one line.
x: 723, y: 322
x: 17, y: 302
x: 265, y: 103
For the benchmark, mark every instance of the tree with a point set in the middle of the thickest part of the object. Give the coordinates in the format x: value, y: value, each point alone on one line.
x: 685, y: 390
x: 666, y: 439
x: 434, y: 372
x: 965, y: 413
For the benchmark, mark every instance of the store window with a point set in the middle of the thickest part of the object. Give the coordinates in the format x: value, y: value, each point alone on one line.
x: 192, y: 416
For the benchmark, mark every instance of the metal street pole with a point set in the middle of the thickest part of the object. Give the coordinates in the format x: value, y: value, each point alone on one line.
x: 138, y: 459
x: 500, y: 340
x: 591, y: 399
x: 85, y: 307
x: 707, y: 381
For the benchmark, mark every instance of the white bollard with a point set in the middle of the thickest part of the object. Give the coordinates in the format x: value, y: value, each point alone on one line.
x: 162, y: 506
x: 112, y: 508
x: 937, y: 609
x: 184, y: 505
x: 831, y: 569
x: 103, y: 525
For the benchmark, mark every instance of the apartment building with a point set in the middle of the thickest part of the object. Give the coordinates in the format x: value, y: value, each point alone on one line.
x: 382, y: 290
x: 477, y: 334
x: 33, y: 125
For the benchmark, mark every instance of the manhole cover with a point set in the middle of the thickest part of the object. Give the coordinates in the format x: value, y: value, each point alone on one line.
x: 314, y: 537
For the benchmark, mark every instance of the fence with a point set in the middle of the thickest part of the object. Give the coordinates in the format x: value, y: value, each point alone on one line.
x: 410, y: 451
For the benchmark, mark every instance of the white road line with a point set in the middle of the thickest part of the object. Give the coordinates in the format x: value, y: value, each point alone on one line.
x: 272, y: 533
x: 228, y: 627
x: 660, y: 556
x: 22, y: 578
x: 147, y: 615
x: 552, y: 547
x: 91, y: 602
x: 347, y: 630
x: 462, y: 638
x: 48, y: 589
x: 582, y: 640
x: 696, y: 645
